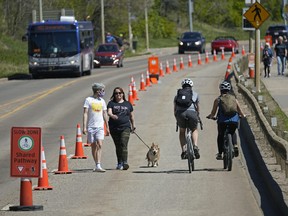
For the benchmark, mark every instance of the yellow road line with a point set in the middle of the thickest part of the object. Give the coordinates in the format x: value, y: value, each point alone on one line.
x: 36, y: 99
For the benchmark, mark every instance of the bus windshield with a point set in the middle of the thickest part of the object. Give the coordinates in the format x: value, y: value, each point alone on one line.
x: 53, y: 44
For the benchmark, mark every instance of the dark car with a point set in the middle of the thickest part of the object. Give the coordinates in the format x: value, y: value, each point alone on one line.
x: 277, y: 30
x: 108, y: 54
x: 191, y: 41
x: 225, y: 43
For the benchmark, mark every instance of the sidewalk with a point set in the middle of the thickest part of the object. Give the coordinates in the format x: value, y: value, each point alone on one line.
x: 277, y: 87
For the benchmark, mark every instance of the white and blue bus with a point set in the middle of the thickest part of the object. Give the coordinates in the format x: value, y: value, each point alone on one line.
x: 60, y: 47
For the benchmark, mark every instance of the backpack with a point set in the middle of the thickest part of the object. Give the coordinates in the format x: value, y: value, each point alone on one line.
x: 228, y: 104
x: 184, y: 97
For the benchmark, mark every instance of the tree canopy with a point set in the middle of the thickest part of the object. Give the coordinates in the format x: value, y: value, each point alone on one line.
x: 166, y: 17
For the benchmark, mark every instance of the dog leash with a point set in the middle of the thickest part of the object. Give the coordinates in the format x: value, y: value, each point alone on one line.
x: 141, y: 139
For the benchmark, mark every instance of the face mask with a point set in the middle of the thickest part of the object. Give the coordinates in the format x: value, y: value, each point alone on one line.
x: 101, y: 93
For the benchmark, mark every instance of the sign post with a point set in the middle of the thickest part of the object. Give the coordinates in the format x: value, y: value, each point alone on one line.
x: 256, y: 15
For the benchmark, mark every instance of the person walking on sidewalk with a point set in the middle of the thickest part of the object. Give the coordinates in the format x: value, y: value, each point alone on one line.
x: 281, y: 53
x: 121, y: 124
x: 267, y: 59
x: 94, y: 118
x: 186, y: 113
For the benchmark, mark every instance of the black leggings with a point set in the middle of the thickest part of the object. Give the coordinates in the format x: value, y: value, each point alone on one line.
x: 221, y: 131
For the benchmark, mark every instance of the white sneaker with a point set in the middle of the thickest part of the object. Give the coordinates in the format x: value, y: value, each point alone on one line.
x: 119, y: 166
x: 99, y: 169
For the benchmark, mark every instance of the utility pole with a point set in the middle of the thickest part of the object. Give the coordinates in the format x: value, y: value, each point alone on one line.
x: 102, y: 21
x: 129, y: 25
x: 191, y: 10
x: 40, y: 11
x: 146, y: 25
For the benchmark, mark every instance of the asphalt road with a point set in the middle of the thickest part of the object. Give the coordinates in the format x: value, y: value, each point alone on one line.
x: 55, y: 105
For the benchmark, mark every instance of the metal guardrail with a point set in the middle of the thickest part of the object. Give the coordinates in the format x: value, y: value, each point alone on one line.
x: 278, y: 144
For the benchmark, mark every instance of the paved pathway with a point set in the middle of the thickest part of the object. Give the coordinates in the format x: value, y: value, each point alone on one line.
x: 277, y: 87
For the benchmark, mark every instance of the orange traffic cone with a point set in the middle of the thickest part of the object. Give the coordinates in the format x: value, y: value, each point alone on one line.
x: 233, y: 52
x: 214, y: 56
x: 189, y: 61
x: 130, y: 98
x: 222, y: 55
x: 167, y: 68
x: 243, y: 51
x: 105, y: 130
x: 87, y: 144
x: 229, y: 65
x: 227, y: 73
x: 79, y: 153
x: 251, y: 72
x: 199, y: 59
x: 142, y: 84
x: 207, y: 58
x: 134, y: 90
x: 148, y: 79
x: 161, y: 73
x: 43, y: 183
x: 63, y: 162
x: 181, y: 63
x: 26, y: 198
x: 175, y: 66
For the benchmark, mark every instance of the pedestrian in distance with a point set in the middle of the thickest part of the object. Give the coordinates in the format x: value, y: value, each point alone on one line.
x: 110, y: 38
x: 267, y: 59
x: 121, y: 124
x: 281, y: 53
x: 94, y: 118
x: 224, y: 118
x: 186, y: 112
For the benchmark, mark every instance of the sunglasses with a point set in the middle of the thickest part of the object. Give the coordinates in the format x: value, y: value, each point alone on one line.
x: 118, y: 93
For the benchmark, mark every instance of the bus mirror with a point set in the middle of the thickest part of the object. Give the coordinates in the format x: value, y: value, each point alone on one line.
x: 25, y: 38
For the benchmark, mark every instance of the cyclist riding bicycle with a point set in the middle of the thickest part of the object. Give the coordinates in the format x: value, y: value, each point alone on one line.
x: 187, y: 115
x: 223, y: 120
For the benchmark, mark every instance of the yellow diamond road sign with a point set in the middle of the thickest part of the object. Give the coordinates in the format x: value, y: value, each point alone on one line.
x: 256, y: 14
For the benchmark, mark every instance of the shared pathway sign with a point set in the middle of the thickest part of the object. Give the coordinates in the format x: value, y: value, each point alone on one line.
x: 25, y: 152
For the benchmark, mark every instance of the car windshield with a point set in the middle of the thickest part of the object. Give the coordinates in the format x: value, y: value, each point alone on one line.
x: 54, y: 44
x: 191, y: 35
x: 107, y: 48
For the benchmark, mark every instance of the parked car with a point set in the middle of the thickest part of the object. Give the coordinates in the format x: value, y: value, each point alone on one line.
x: 227, y: 43
x: 191, y: 41
x: 277, y: 30
x: 108, y: 54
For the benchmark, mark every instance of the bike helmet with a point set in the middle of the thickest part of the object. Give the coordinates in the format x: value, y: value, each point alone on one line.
x: 187, y: 82
x: 225, y: 86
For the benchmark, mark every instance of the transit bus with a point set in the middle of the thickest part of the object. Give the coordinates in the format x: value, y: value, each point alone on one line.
x: 60, y: 47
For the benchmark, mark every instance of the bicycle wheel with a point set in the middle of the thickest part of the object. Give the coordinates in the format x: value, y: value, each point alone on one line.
x: 190, y: 154
x: 229, y: 152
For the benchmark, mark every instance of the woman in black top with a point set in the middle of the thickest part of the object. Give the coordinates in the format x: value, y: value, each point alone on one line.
x: 121, y: 123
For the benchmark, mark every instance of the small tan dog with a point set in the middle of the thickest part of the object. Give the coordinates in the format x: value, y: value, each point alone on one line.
x: 153, y: 155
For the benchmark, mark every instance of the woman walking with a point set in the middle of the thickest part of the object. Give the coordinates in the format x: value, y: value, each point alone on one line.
x: 121, y: 123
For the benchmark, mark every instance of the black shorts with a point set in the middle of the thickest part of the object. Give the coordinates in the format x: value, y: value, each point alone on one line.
x: 187, y: 119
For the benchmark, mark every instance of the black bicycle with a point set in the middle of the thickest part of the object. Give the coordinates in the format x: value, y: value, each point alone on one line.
x: 190, y: 154
x: 190, y: 151
x: 228, y: 149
